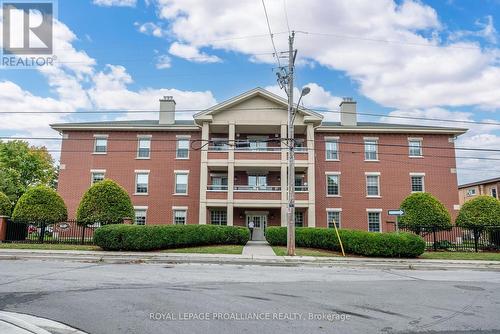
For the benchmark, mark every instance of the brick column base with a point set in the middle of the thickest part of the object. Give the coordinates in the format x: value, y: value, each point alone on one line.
x: 3, y: 228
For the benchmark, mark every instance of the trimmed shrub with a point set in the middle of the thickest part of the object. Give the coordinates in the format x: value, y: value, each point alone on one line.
x: 424, y: 211
x: 354, y: 241
x: 105, y: 202
x: 5, y: 205
x: 154, y: 237
x: 479, y: 212
x: 40, y: 204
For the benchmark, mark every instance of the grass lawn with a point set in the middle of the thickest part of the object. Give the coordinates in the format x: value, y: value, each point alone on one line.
x: 487, y: 256
x: 281, y: 251
x: 220, y: 249
x: 49, y: 246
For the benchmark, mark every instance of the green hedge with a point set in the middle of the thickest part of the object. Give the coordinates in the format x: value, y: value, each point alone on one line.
x: 5, y: 205
x: 40, y: 204
x: 354, y: 241
x: 153, y: 237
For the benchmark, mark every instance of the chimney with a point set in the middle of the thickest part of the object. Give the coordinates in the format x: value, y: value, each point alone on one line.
x: 348, y: 112
x: 167, y: 110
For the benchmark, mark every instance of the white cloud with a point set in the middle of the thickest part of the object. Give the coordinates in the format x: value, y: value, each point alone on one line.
x: 163, y: 62
x: 118, y: 3
x: 150, y: 28
x: 487, y: 31
x: 412, y: 70
x: 191, y: 53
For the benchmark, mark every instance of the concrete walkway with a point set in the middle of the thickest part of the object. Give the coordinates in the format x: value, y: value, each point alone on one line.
x: 257, y: 248
x: 17, y: 323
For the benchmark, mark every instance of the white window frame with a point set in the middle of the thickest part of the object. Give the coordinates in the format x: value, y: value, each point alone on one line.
x: 96, y: 171
x: 337, y: 174
x: 471, y: 192
x: 377, y: 174
x: 181, y: 209
x: 100, y: 137
x: 182, y: 138
x: 422, y: 175
x: 420, y: 140
x: 339, y: 210
x: 181, y: 172
x: 141, y: 208
x: 303, y: 218
x: 137, y: 173
x: 371, y: 139
x: 496, y: 192
x: 219, y: 210
x: 139, y: 139
x: 329, y: 140
x: 379, y: 211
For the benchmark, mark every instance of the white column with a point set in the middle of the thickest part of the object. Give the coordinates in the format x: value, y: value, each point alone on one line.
x: 311, y: 181
x: 284, y: 175
x: 204, y: 173
x: 230, y: 174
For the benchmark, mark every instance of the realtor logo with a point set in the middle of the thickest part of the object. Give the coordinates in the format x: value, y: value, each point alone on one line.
x: 27, y: 27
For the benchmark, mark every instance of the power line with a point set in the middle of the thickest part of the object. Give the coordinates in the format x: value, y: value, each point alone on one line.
x: 286, y: 16
x: 271, y: 35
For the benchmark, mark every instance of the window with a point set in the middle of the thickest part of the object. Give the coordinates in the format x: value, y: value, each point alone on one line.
x: 371, y: 149
x: 257, y: 181
x: 374, y: 221
x: 300, y: 185
x: 471, y: 192
x: 299, y: 218
x: 97, y: 176
x: 258, y: 144
x: 333, y: 216
x: 181, y: 183
x: 372, y: 185
x: 219, y: 144
x: 417, y: 183
x: 493, y: 192
x: 218, y: 217
x: 415, y: 147
x: 144, y: 147
x: 180, y: 217
x: 332, y: 185
x: 332, y: 149
x: 141, y: 182
x: 140, y: 216
x: 219, y: 182
x: 101, y: 144
x: 182, y: 148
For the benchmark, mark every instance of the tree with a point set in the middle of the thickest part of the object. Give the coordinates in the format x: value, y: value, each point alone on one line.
x: 40, y: 204
x: 5, y: 205
x: 479, y: 212
x: 105, y: 202
x: 23, y: 166
x: 423, y: 212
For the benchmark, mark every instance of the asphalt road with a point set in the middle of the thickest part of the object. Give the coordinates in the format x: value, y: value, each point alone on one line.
x: 147, y: 298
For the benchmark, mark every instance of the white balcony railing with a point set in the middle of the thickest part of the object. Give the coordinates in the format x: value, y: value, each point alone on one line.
x: 257, y: 188
x: 216, y: 187
x: 301, y: 188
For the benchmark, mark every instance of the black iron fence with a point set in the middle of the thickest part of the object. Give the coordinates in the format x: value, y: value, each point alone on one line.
x: 459, y: 239
x: 67, y: 232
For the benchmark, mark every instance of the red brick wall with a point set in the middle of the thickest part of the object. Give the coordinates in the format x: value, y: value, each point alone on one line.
x: 120, y: 163
x: 394, y: 166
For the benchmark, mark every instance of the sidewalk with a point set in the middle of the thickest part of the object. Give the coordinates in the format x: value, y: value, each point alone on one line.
x: 17, y: 323
x: 177, y: 258
x: 258, y: 248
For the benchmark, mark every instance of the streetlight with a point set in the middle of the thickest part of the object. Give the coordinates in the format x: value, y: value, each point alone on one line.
x: 306, y: 90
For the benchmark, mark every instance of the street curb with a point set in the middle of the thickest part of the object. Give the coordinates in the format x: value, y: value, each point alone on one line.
x: 171, y: 258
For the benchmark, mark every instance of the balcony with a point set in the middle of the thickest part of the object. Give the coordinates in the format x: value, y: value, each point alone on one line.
x: 250, y: 188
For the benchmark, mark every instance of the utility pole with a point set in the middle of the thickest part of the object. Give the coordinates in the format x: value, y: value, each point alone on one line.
x: 290, y: 242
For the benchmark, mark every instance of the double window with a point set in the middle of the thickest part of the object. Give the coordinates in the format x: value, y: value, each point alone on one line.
x: 333, y: 184
x: 144, y: 147
x: 299, y: 218
x: 182, y: 151
x: 181, y: 182
x: 141, y: 182
x: 332, y: 149
x: 373, y: 184
x: 100, y: 144
x: 415, y: 147
x: 333, y: 217
x: 97, y: 175
x: 218, y: 217
x: 471, y: 192
x: 180, y: 216
x: 219, y: 182
x: 374, y: 221
x: 257, y: 181
x: 371, y: 149
x: 417, y: 182
x: 140, y: 215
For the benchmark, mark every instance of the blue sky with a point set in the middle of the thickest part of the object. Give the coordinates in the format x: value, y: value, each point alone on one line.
x: 435, y: 59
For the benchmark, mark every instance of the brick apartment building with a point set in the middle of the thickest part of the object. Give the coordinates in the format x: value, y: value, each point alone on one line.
x: 228, y: 165
x: 489, y: 187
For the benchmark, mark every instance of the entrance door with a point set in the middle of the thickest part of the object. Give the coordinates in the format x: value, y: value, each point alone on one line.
x: 259, y: 226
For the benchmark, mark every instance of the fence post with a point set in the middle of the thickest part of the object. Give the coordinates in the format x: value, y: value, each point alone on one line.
x: 83, y: 234
x: 42, y: 233
x: 476, y: 237
x: 3, y: 228
x: 434, y: 245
